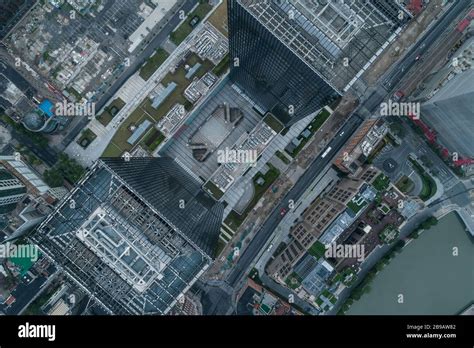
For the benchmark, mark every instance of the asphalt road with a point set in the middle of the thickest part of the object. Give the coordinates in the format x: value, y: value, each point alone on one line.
x: 155, y: 43
x: 422, y: 45
x: 373, y: 101
x: 46, y: 154
x: 295, y: 193
x: 15, y: 77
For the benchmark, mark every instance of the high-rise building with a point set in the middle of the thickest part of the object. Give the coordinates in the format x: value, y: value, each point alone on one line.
x: 294, y: 57
x: 450, y: 113
x: 135, y: 234
x: 25, y: 174
x: 11, y: 191
x: 20, y: 183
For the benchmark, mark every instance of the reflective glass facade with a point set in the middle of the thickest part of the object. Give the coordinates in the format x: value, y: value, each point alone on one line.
x: 127, y: 240
x: 270, y: 73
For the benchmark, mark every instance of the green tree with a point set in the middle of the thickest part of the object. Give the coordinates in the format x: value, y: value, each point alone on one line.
x: 53, y: 177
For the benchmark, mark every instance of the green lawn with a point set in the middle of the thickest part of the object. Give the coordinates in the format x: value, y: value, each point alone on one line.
x: 348, y: 276
x: 123, y: 133
x: 274, y: 123
x: 153, y: 63
x: 86, y: 138
x: 185, y: 28
x: 223, y: 66
x: 219, y: 247
x: 293, y: 281
x: 270, y: 177
x: 356, y: 207
x: 234, y: 220
x: 429, y: 185
x: 74, y: 93
x: 319, y: 120
x: 313, y: 127
x: 381, y: 182
x: 388, y: 234
x: 112, y: 150
x: 219, y: 18
x: 281, y: 156
x: 405, y: 184
x: 317, y: 249
x: 110, y: 111
x: 214, y: 190
x: 145, y: 111
x: 253, y: 274
x: 153, y: 139
x: 177, y: 96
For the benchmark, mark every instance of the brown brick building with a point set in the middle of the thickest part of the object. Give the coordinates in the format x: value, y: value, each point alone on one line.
x: 314, y: 221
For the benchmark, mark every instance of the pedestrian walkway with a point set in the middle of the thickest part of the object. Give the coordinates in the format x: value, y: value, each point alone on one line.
x: 235, y: 192
x: 128, y: 91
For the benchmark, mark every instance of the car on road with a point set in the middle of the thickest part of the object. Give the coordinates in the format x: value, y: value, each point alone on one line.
x: 398, y: 95
x: 194, y: 21
x: 283, y: 211
x: 417, y: 58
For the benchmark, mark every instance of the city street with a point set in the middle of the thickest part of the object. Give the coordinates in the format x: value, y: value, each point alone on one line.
x: 370, y: 104
x: 248, y: 255
x: 135, y: 64
x: 136, y: 96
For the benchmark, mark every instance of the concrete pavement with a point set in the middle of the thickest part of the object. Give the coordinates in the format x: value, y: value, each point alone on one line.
x: 87, y: 156
x: 297, y: 190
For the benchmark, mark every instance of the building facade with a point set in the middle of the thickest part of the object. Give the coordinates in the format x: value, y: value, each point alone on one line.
x: 269, y: 72
x: 11, y: 191
x: 294, y: 57
x: 316, y: 219
x: 135, y: 234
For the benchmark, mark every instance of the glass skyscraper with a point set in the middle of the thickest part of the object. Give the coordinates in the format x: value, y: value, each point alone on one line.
x: 134, y: 235
x: 294, y: 57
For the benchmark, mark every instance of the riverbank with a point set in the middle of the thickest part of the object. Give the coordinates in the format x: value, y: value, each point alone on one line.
x: 433, y: 274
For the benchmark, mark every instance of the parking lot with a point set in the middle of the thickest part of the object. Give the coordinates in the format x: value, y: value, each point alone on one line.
x: 83, y: 51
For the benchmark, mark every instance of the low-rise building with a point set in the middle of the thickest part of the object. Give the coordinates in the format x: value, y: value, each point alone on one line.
x: 316, y: 219
x: 361, y: 145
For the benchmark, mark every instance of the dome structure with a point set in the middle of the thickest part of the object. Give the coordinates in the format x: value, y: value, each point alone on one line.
x: 33, y: 121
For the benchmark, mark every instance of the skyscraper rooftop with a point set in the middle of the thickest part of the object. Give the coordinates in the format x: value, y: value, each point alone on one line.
x: 337, y: 39
x: 134, y: 234
x: 450, y: 113
x: 294, y: 57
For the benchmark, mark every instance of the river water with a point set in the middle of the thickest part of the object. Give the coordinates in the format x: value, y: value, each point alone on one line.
x: 431, y: 279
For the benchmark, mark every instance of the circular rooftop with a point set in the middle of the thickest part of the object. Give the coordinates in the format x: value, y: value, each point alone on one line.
x: 33, y: 121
